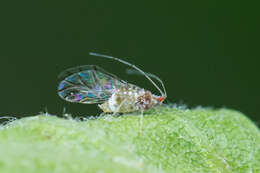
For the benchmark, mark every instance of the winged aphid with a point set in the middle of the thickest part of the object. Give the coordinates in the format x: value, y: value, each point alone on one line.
x: 89, y: 84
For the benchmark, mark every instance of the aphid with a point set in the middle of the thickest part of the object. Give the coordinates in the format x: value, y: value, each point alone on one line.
x: 91, y: 84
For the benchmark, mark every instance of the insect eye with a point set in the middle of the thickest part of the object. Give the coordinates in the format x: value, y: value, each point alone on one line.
x: 160, y: 99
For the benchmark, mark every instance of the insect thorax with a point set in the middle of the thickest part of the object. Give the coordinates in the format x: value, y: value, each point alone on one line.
x: 129, y: 99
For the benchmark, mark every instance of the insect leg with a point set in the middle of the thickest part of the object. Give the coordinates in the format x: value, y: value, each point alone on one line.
x: 65, y: 114
x: 119, y: 106
x: 141, y: 121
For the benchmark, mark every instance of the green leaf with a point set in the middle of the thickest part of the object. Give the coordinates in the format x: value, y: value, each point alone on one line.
x: 167, y: 140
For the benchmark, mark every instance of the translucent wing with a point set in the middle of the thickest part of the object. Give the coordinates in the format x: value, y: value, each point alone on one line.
x: 88, y: 84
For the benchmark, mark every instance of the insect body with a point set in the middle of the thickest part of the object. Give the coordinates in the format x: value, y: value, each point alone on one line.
x: 91, y: 84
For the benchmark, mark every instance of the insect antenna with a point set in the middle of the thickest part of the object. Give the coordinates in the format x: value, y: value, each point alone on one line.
x: 135, y: 72
x: 133, y: 66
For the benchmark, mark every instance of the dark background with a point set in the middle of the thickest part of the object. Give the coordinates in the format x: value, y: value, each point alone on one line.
x: 206, y: 52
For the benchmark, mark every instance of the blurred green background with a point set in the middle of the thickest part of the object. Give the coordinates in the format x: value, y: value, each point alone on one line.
x: 206, y: 52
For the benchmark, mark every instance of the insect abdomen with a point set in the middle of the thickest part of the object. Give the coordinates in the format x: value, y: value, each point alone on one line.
x: 123, y: 100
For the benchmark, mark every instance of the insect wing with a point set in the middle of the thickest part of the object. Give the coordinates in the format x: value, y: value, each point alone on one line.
x: 88, y: 84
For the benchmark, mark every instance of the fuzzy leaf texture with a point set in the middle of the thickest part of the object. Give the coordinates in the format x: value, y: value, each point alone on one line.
x: 171, y: 140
